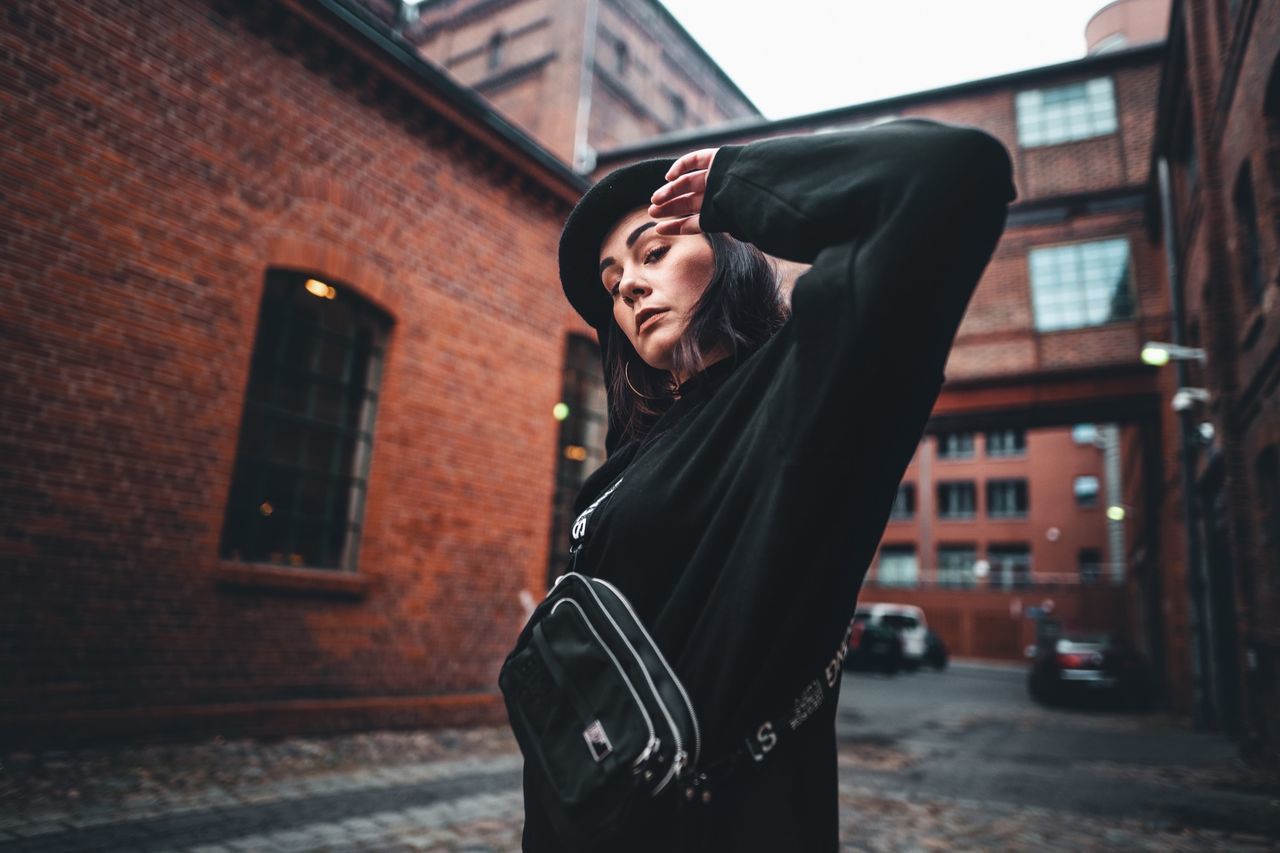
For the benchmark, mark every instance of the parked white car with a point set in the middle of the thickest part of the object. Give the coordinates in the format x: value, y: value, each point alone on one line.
x: 908, y: 620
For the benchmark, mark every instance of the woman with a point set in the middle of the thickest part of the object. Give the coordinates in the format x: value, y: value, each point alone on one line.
x: 754, y: 456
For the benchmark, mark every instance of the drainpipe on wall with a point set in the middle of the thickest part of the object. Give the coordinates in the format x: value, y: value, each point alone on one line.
x: 1202, y: 708
x: 584, y: 159
x: 1110, y: 434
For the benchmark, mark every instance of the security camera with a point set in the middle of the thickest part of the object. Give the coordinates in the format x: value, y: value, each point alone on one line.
x: 1185, y: 398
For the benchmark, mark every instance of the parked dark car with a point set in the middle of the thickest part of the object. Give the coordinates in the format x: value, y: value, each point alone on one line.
x: 935, y: 650
x: 1088, y: 666
x: 874, y: 647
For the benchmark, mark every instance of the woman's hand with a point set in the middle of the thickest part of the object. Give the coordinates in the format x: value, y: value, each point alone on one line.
x: 677, y: 204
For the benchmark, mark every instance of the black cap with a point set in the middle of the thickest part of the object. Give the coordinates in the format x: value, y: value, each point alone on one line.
x: 615, y: 195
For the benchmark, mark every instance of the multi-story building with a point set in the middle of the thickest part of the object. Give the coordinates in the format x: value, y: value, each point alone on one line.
x: 1216, y: 176
x: 990, y: 524
x: 279, y: 447
x: 1008, y: 509
x: 579, y: 75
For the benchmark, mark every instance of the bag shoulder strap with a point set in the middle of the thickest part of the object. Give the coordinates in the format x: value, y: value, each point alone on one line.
x: 775, y: 728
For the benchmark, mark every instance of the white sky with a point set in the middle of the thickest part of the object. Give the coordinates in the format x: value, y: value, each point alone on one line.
x: 802, y: 56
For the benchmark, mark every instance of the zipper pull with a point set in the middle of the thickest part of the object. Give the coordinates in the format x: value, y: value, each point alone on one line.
x: 681, y: 759
x: 642, y: 760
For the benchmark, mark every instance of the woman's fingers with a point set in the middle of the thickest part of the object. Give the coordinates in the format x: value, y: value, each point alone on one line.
x: 693, y: 161
x: 679, y: 206
x: 690, y: 182
x: 683, y: 225
x: 678, y: 203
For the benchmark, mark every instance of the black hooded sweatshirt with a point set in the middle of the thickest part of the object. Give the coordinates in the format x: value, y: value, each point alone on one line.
x: 742, y: 526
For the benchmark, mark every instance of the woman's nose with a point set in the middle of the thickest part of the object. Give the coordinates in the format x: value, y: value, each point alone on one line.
x: 633, y: 287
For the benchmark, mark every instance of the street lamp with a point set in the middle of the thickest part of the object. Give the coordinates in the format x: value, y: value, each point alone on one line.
x: 1159, y: 354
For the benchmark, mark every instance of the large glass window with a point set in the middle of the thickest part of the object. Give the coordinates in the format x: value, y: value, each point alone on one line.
x: 1007, y: 498
x: 955, y: 565
x: 1081, y: 284
x: 298, y: 488
x: 956, y: 500
x: 898, y: 566
x: 1010, y: 566
x: 1066, y: 113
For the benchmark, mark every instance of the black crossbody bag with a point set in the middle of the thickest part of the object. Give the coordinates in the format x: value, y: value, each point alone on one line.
x: 600, y: 713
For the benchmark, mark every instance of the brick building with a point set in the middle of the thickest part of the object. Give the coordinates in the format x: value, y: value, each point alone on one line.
x: 1048, y: 349
x: 280, y: 452
x: 1218, y: 211
x: 276, y: 446
x: 579, y: 75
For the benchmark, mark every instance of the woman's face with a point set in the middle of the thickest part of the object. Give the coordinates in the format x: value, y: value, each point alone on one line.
x: 655, y: 283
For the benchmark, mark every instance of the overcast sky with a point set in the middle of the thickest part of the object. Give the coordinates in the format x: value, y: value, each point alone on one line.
x: 802, y: 56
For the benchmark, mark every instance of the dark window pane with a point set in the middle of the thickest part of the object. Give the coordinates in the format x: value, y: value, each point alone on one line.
x: 956, y: 500
x: 1010, y: 566
x: 312, y: 388
x: 581, y: 445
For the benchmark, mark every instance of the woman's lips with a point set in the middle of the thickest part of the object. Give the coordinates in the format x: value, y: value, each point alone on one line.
x: 647, y: 322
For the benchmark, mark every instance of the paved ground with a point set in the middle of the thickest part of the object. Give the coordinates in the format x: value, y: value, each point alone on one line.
x: 959, y: 760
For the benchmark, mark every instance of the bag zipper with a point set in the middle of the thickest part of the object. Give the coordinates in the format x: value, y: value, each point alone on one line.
x: 680, y: 759
x: 653, y: 743
x: 688, y: 704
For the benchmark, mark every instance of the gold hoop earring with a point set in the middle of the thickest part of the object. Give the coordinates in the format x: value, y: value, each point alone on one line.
x: 626, y: 376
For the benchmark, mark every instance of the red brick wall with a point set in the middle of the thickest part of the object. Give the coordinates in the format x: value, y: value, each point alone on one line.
x: 158, y: 158
x: 1228, y: 65
x: 1050, y: 464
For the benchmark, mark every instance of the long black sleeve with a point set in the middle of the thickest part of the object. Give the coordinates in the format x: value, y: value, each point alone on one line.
x: 898, y: 220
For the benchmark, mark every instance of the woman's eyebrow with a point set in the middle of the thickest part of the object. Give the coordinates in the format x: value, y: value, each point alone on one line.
x: 631, y: 241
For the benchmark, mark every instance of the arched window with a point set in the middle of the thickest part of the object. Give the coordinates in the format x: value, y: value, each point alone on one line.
x: 1250, y: 248
x: 306, y: 435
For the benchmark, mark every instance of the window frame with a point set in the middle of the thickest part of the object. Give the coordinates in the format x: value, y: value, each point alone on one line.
x: 1018, y: 449
x: 998, y: 577
x: 1091, y: 502
x: 264, y: 484
x: 943, y: 509
x: 898, y: 550
x: 967, y: 450
x: 952, y: 577
x: 1039, y: 111
x: 1098, y: 576
x: 1046, y: 292
x: 906, y: 494
x: 1021, y: 497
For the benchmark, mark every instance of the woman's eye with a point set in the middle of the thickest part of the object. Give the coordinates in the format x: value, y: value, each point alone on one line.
x: 654, y: 254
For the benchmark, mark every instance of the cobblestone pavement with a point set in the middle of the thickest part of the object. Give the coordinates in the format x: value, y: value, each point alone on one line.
x: 456, y: 790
